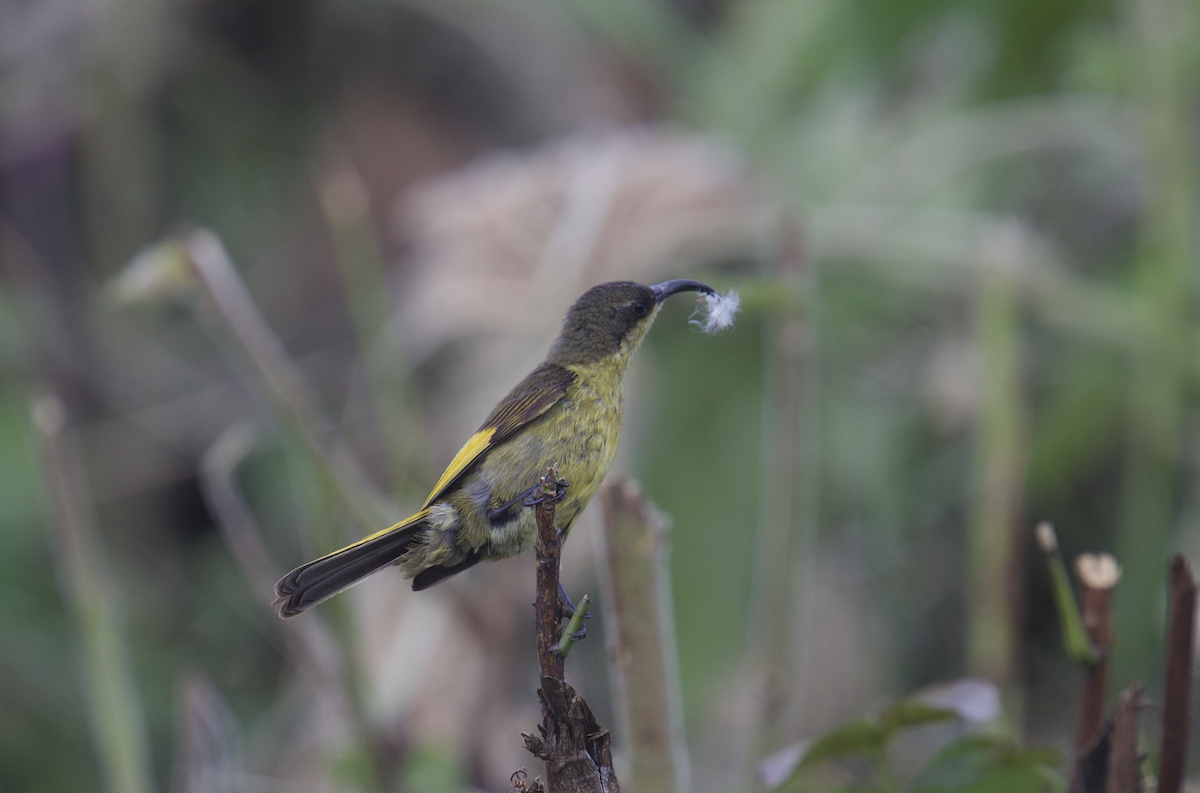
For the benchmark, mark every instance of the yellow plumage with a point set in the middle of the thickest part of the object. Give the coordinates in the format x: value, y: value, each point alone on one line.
x: 565, y: 413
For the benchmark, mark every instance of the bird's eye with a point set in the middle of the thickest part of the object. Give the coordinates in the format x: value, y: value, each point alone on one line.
x: 639, y: 308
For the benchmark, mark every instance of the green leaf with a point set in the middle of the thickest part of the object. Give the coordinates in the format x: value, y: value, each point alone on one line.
x: 869, y: 737
x: 1038, y: 756
x: 982, y: 764
x: 972, y: 764
x: 855, y: 738
x: 906, y: 713
x: 1006, y: 780
x: 983, y: 746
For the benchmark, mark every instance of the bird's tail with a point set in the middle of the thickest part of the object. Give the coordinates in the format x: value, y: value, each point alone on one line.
x: 309, y: 584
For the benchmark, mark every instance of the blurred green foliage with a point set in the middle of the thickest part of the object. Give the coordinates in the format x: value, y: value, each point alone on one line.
x: 974, y: 763
x: 912, y: 140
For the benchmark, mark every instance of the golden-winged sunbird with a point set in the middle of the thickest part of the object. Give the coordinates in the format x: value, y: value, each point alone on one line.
x: 566, y: 413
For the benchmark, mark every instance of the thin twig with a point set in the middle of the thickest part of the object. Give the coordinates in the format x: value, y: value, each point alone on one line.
x: 283, y: 380
x: 208, y: 756
x: 1177, y: 708
x: 311, y: 642
x: 547, y: 612
x: 217, y: 469
x: 346, y: 202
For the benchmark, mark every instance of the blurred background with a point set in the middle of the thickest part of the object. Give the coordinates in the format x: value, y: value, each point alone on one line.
x: 965, y: 238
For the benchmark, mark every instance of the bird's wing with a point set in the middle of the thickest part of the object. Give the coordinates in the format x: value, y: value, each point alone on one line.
x: 532, y: 397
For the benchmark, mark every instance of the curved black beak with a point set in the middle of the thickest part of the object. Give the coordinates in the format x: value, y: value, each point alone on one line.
x: 667, y: 288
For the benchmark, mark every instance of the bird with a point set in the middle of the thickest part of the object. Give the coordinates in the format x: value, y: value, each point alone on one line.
x: 565, y: 413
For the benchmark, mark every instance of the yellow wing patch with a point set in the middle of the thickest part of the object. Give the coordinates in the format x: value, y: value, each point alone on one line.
x: 466, y: 455
x: 532, y: 397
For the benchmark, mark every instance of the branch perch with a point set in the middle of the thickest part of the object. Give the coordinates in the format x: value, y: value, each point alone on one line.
x: 576, y: 750
x: 547, y: 612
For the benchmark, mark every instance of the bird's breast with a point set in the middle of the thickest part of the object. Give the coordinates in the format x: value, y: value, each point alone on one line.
x: 579, y: 434
x: 592, y: 410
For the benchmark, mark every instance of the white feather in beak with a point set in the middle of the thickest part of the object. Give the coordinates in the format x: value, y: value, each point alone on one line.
x: 716, y: 311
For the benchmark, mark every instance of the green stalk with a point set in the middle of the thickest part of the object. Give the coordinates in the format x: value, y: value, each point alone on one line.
x: 1158, y: 375
x: 785, y: 526
x: 574, y: 626
x: 309, y: 644
x: 640, y: 639
x: 1075, y: 637
x: 346, y: 203
x: 283, y: 380
x: 1000, y: 455
x: 114, y: 710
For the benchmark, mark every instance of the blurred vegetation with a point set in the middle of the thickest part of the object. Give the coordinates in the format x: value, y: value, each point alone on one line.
x: 969, y: 762
x: 965, y: 234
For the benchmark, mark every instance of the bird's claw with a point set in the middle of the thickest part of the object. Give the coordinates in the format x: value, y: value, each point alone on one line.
x: 567, y: 610
x: 533, y: 498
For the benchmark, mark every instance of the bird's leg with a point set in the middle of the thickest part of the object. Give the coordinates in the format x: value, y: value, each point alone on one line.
x: 564, y: 601
x: 523, y: 498
x: 568, y: 608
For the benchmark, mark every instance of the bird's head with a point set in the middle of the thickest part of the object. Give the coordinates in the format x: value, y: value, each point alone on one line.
x: 610, y: 320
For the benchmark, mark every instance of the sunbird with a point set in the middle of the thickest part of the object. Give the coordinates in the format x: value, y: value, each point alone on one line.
x: 566, y: 413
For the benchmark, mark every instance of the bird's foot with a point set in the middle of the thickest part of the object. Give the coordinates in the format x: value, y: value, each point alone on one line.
x: 537, y: 494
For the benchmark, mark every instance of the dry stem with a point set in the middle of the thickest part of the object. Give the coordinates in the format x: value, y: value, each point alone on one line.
x: 1098, y: 574
x: 1123, y: 775
x: 576, y: 750
x: 641, y: 644
x: 546, y: 608
x: 1177, y: 708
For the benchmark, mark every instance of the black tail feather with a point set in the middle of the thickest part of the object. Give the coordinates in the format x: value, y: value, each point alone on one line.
x: 435, y: 575
x: 309, y: 584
